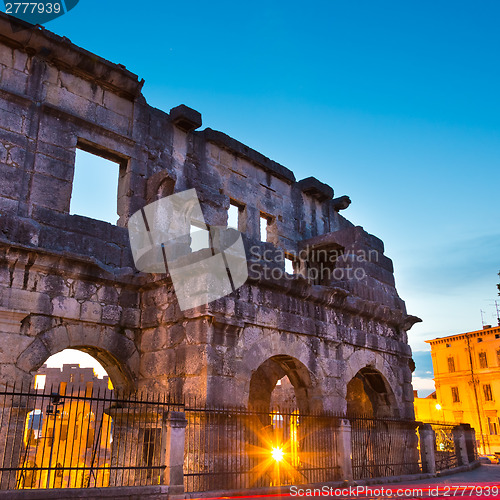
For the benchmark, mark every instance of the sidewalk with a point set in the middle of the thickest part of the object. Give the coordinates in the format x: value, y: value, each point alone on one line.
x: 482, y: 482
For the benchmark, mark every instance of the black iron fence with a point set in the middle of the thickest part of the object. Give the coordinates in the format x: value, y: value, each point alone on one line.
x: 235, y: 448
x: 383, y: 447
x: 74, y: 437
x: 71, y: 437
x: 445, y: 453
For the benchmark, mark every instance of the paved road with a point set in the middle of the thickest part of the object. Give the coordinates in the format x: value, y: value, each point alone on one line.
x: 483, y: 482
x: 483, y: 474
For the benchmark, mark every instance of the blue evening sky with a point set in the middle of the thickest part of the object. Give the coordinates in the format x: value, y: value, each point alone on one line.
x: 394, y: 103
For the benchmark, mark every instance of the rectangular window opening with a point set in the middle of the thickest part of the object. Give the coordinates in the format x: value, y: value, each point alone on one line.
x: 265, y: 222
x: 40, y: 382
x: 488, y: 396
x: 455, y: 395
x: 200, y: 237
x: 451, y: 365
x: 234, y: 215
x: 483, y: 361
x: 290, y: 265
x: 95, y: 186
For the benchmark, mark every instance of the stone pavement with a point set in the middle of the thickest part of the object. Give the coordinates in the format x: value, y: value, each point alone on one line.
x: 482, y: 482
x: 483, y: 474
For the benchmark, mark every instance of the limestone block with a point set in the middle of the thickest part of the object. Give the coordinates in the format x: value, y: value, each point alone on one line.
x: 14, y: 80
x: 118, y: 104
x: 54, y: 167
x: 111, y: 314
x: 73, y: 103
x: 107, y: 295
x: 34, y: 302
x: 66, y: 307
x: 81, y: 87
x: 51, y: 192
x: 112, y: 120
x: 56, y: 339
x: 159, y: 363
x: 12, y: 345
x: 6, y: 56
x: 84, y: 334
x: 131, y: 317
x: 91, y: 311
x: 33, y: 356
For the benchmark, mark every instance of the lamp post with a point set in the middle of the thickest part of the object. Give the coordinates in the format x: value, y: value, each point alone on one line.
x: 51, y: 412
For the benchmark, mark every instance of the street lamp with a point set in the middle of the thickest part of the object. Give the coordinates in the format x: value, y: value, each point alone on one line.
x: 439, y: 407
x: 51, y: 412
x: 277, y: 453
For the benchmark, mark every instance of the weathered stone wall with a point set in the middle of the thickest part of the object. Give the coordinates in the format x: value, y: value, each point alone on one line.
x: 69, y: 281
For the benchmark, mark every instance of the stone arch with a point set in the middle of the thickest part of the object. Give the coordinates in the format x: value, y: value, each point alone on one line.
x: 265, y: 377
x: 160, y: 185
x: 115, y: 351
x: 371, y: 387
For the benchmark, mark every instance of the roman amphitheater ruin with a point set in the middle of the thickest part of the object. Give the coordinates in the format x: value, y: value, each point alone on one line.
x: 334, y: 325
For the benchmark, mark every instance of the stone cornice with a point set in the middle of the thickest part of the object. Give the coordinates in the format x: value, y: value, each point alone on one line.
x: 59, y: 51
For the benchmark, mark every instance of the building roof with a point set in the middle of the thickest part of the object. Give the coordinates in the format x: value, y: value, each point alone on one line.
x: 488, y: 329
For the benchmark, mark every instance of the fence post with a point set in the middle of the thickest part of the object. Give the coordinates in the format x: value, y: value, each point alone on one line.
x: 175, y: 431
x: 460, y: 445
x: 427, y: 448
x: 470, y: 442
x: 344, y: 449
x: 13, y: 417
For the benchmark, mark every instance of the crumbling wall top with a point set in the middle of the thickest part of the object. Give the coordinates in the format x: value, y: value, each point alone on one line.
x: 64, y: 54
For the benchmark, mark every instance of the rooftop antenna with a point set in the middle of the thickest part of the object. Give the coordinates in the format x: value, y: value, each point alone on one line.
x: 482, y: 317
x: 498, y: 313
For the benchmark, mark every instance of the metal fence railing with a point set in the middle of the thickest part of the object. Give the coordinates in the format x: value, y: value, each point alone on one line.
x: 383, y: 447
x: 445, y: 453
x: 73, y: 437
x: 235, y: 448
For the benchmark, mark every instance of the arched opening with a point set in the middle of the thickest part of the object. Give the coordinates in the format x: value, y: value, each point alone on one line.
x: 278, y: 368
x: 382, y: 444
x: 369, y: 394
x: 67, y: 439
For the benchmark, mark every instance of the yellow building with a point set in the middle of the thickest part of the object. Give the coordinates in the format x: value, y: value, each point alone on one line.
x: 467, y: 378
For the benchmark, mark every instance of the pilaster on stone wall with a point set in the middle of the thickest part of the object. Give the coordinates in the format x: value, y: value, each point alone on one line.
x: 173, y: 451
x: 460, y: 445
x: 344, y: 450
x: 427, y: 448
x: 470, y: 442
x: 13, y: 418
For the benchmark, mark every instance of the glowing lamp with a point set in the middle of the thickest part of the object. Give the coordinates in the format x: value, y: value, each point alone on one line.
x: 277, y: 454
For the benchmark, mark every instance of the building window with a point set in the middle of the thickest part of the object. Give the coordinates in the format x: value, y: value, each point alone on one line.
x: 488, y: 396
x: 290, y: 265
x: 95, y: 186
x: 498, y: 357
x: 235, y: 215
x: 200, y: 237
x: 265, y: 222
x: 454, y: 395
x: 492, y: 427
x: 483, y: 362
x: 451, y: 365
x: 40, y: 382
